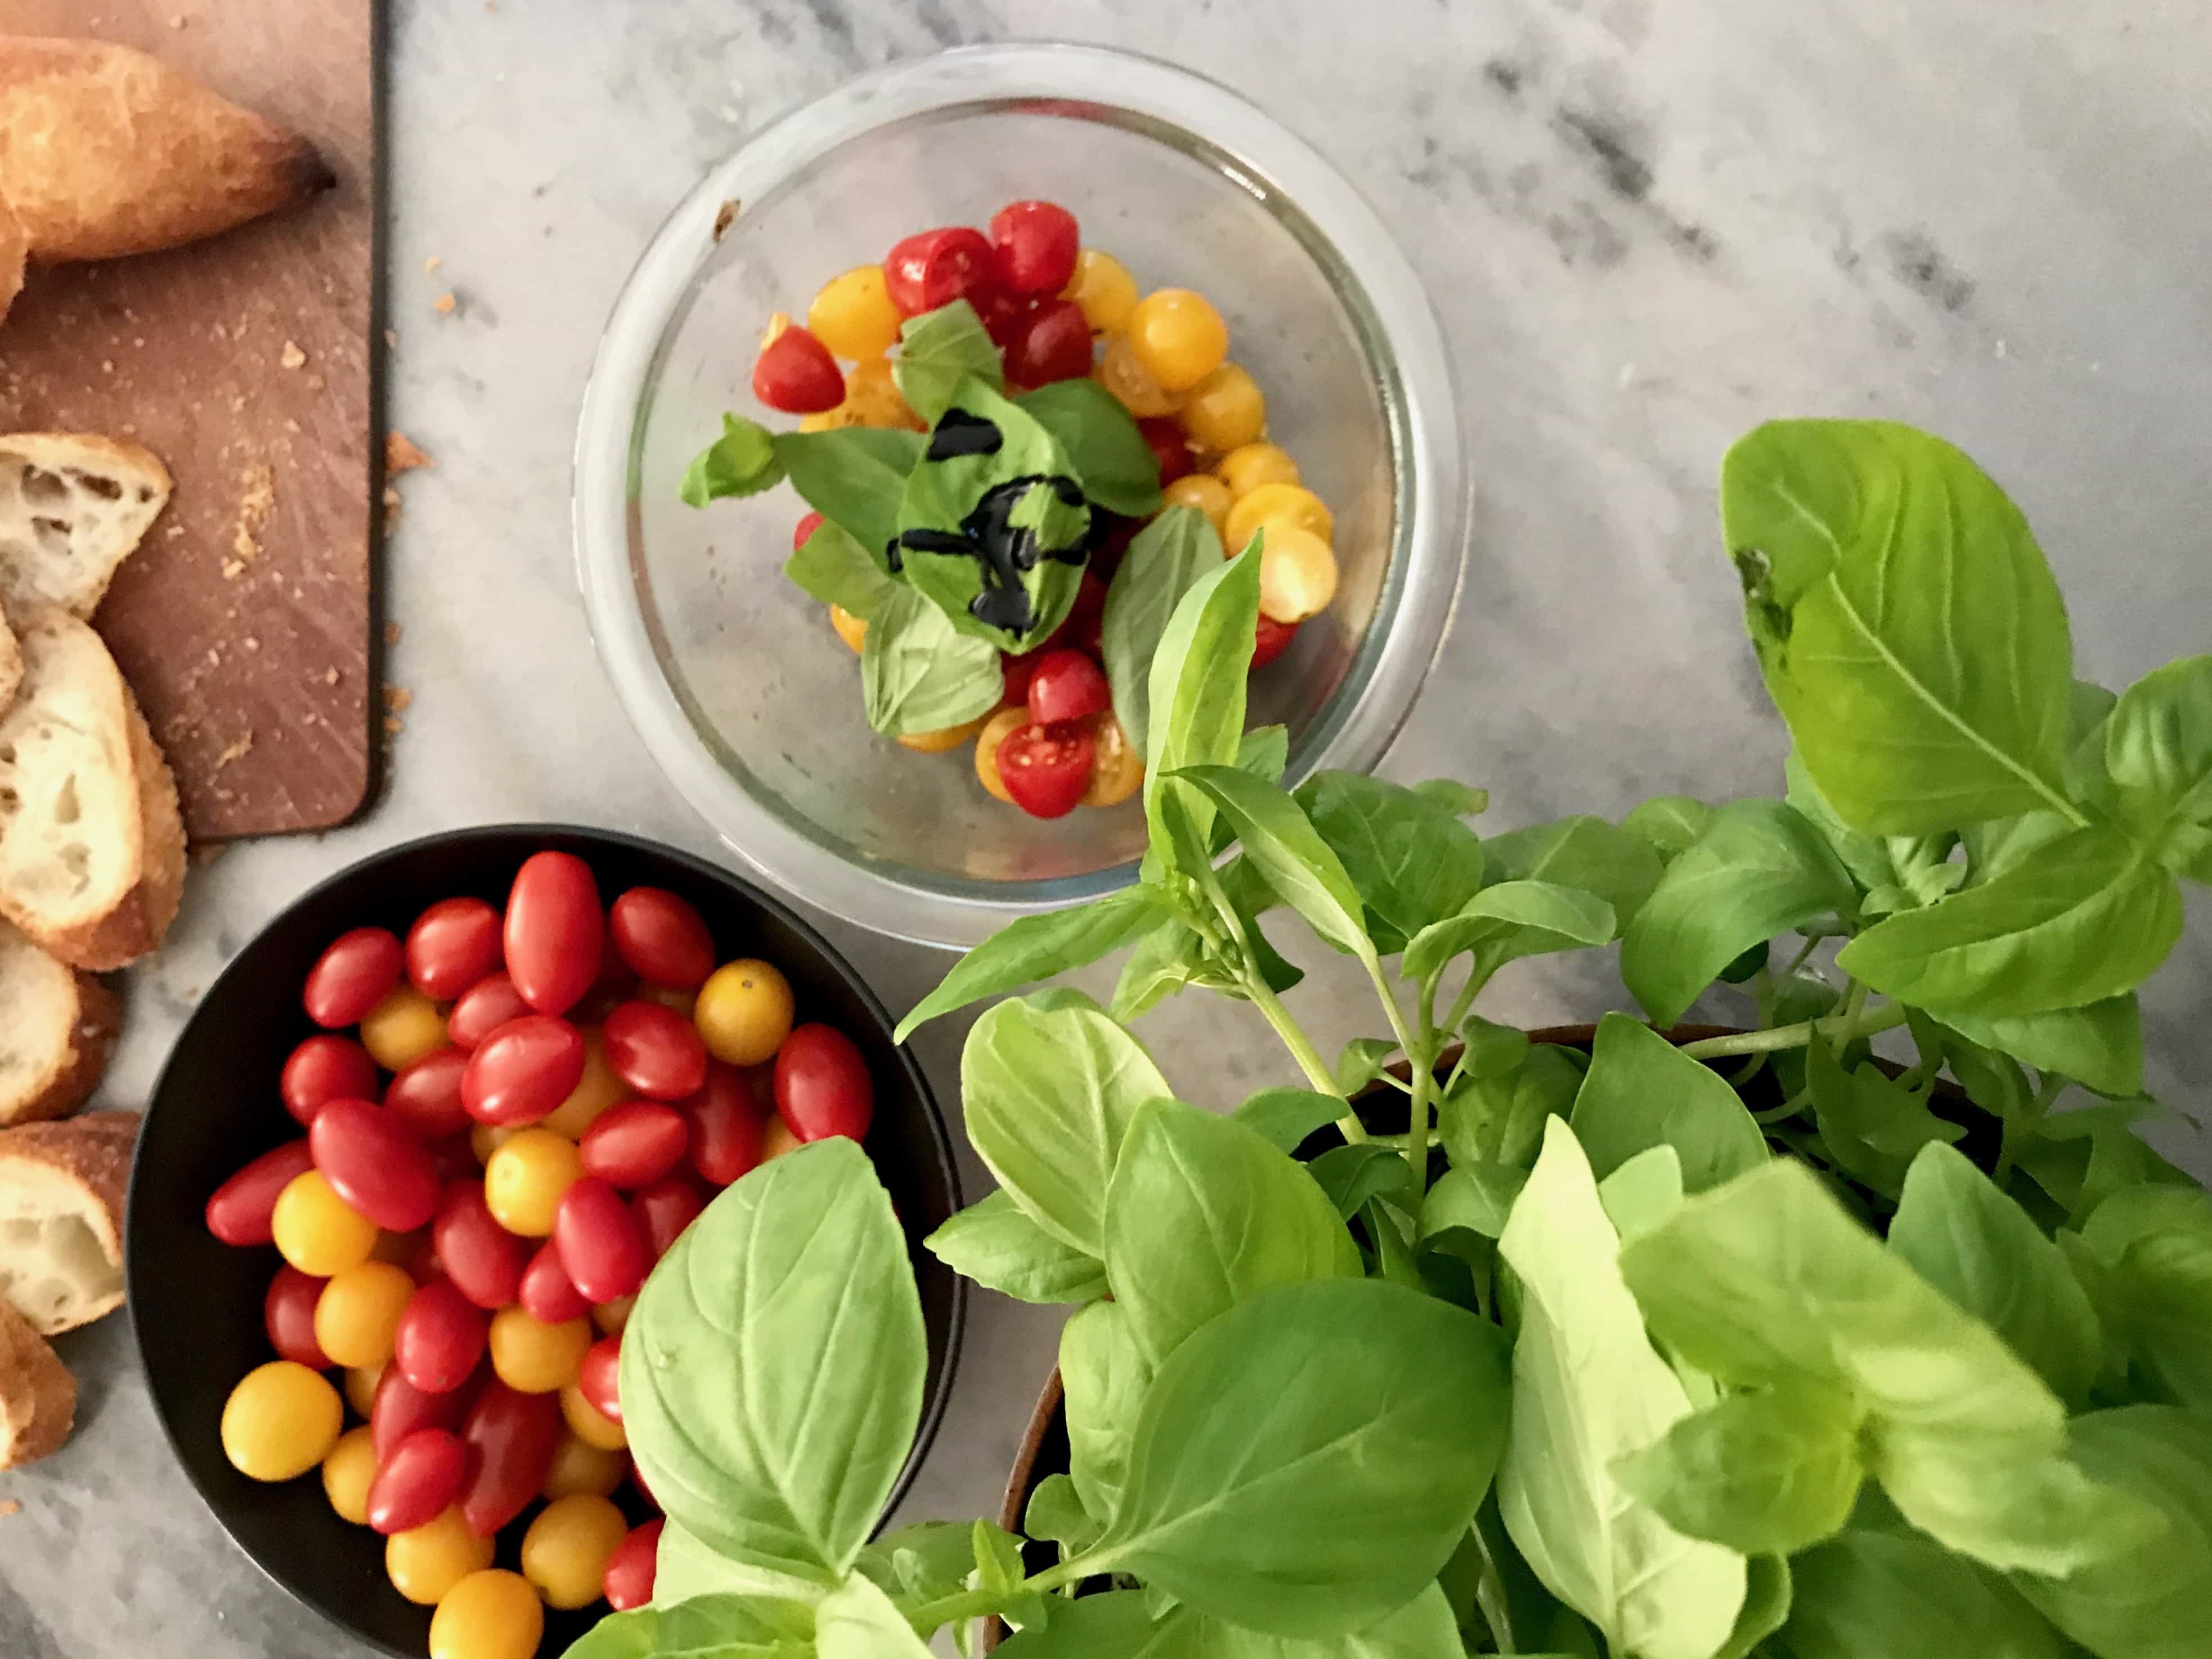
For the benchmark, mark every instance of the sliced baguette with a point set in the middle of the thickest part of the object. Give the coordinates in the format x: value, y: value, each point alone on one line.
x: 92, y: 850
x: 57, y: 1027
x: 15, y: 248
x: 73, y: 507
x: 38, y: 1396
x: 61, y: 1218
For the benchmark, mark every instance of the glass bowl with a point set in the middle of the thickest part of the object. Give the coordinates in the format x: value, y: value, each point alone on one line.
x: 732, y: 676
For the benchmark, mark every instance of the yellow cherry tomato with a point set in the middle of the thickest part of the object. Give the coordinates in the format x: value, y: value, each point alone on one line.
x: 1224, y: 412
x: 1132, y: 384
x: 1272, y: 504
x: 853, y: 629
x: 1204, y: 492
x: 873, y: 396
x: 944, y: 738
x: 360, y: 1382
x: 425, y: 1563
x: 401, y: 1028
x: 318, y: 1231
x: 611, y: 1316
x: 1298, y: 573
x: 488, y: 1615
x: 580, y: 1467
x: 1103, y: 287
x: 281, y: 1420
x: 745, y: 1011
x: 566, y: 1550
x: 669, y: 996
x: 357, y: 1315
x: 830, y: 420
x: 1117, y: 770
x: 778, y: 1139
x: 598, y: 1090
x: 1178, y: 336
x: 586, y: 1423
x: 532, y: 1356
x: 853, y: 314
x: 777, y: 322
x: 996, y: 730
x: 1245, y: 468
x: 347, y: 1472
x: 525, y: 1179
x: 486, y: 1138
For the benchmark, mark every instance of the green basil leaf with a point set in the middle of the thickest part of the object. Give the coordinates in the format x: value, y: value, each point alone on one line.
x: 1163, y: 563
x: 1908, y: 630
x: 936, y: 351
x: 2031, y: 1513
x: 1264, y: 752
x: 833, y: 568
x: 1056, y: 1514
x: 1498, y: 1116
x: 1116, y: 466
x: 1477, y: 1197
x: 2098, y: 1045
x: 1353, y: 1176
x: 1867, y: 857
x: 1873, y: 1595
x: 853, y: 477
x: 1037, y: 947
x: 772, y: 1374
x: 857, y: 1620
x: 1363, y: 1061
x: 1196, y: 701
x: 1460, y: 800
x: 1503, y: 923
x: 704, y: 1628
x: 1871, y: 1128
x: 2082, y: 1158
x: 1409, y: 857
x: 741, y: 462
x: 1644, y: 1192
x: 1770, y: 1473
x: 1588, y: 1389
x: 1283, y: 846
x: 2158, y: 751
x: 1049, y: 1096
x: 1669, y: 823
x: 1642, y: 1091
x: 2077, y: 921
x: 1284, y: 1117
x: 1766, y: 1601
x: 918, y: 674
x: 994, y: 1244
x: 687, y: 1568
x: 1759, y: 869
x: 928, y: 1559
x: 1121, y: 1624
x: 2153, y: 1293
x: 1106, y: 1378
x: 1582, y: 853
x: 1306, y: 1463
x: 1167, y: 958
x: 998, y: 1555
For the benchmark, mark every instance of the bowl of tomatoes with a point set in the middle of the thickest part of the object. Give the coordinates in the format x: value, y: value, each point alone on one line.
x: 409, y: 1163
x: 916, y: 416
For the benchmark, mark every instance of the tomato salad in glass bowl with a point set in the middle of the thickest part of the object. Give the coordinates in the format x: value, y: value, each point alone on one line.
x: 1025, y: 468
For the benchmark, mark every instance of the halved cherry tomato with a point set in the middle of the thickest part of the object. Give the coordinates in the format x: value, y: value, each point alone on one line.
x: 598, y: 1381
x: 1053, y: 344
x: 662, y: 938
x: 401, y: 1409
x: 655, y: 1050
x: 511, y: 1437
x: 483, y: 1260
x: 1046, y: 769
x: 358, y: 971
x: 821, y: 1084
x: 806, y: 527
x: 549, y: 1294
x: 1034, y: 245
x: 1169, y: 445
x: 934, y: 268
x: 664, y: 1208
x: 323, y: 1068
x: 416, y: 1480
x: 726, y: 1124
x: 442, y: 1337
x: 375, y: 1165
x: 1272, y: 639
x: 796, y: 374
x: 1117, y: 770
x: 635, y: 1144
x: 243, y: 1207
x: 601, y: 1242
x: 452, y: 945
x: 633, y: 1567
x: 288, y: 1314
x: 555, y: 932
x: 426, y: 1097
x: 1067, y: 685
x: 482, y: 1009
x: 523, y: 1071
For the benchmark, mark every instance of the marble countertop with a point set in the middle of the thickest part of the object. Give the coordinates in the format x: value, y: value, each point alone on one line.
x: 1645, y: 227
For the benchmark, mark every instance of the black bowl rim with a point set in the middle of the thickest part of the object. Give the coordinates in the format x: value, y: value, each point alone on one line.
x: 934, y: 1404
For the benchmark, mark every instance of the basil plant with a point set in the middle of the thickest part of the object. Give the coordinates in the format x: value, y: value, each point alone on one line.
x: 1689, y: 1346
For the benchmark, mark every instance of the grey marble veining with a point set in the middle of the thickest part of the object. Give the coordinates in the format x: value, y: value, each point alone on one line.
x: 1645, y: 225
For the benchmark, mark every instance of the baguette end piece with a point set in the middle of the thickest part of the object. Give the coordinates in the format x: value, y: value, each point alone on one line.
x: 38, y: 1396
x: 62, y: 1189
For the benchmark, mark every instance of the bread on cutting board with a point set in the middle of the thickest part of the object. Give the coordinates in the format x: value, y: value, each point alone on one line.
x: 73, y: 507
x: 92, y: 850
x: 38, y: 1396
x: 61, y: 1218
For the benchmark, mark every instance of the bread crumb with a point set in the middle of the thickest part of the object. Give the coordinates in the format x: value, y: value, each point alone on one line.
x: 725, y: 217
x: 238, y: 750
x: 391, y: 339
x: 432, y: 263
x: 398, y: 698
x: 391, y: 632
x: 329, y: 676
x: 391, y: 509
x: 257, y: 497
x: 108, y: 365
x: 8, y: 1506
x: 233, y: 569
x: 206, y: 852
x: 444, y: 305
x: 292, y: 357
x: 179, y: 22
x: 253, y: 643
x: 402, y: 454
x: 393, y: 725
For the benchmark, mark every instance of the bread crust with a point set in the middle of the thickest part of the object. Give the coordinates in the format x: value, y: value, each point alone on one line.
x: 92, y: 1153
x: 92, y: 1041
x: 135, y: 927
x: 38, y: 1396
x: 15, y: 249
x: 129, y: 465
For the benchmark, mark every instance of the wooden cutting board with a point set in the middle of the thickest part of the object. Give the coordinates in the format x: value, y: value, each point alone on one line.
x: 247, y: 363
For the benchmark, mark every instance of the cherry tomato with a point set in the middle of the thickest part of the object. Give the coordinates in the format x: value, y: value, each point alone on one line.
x: 416, y: 1480
x: 482, y: 1009
x: 426, y: 1097
x: 630, y: 1569
x: 401, y: 1409
x: 358, y: 971
x: 452, y: 945
x: 655, y: 1050
x: 324, y: 1068
x: 1084, y: 618
x: 401, y: 1028
x: 1054, y: 343
x: 442, y: 1337
x: 585, y: 1423
x: 665, y: 1209
x: 726, y: 1126
x: 280, y: 1421
x: 425, y: 1564
x: 806, y: 527
x: 491, y: 1614
x: 1117, y: 770
x: 318, y: 1231
x: 1272, y: 639
x: 988, y: 741
x: 1046, y: 769
x: 1015, y: 672
x: 555, y: 932
x: 796, y: 374
x: 483, y: 1260
x: 525, y: 1179
x: 601, y: 1244
x: 536, y: 1356
x: 579, y: 1466
x: 549, y: 1295
x: 1169, y: 446
x: 375, y: 1165
x: 822, y: 1085
x: 288, y: 1314
x: 357, y: 1315
x: 1067, y: 685
x: 511, y: 1436
x: 635, y: 1144
x: 523, y: 1071
x: 662, y: 938
x: 244, y: 1207
x: 934, y: 268
x: 597, y: 1380
x: 347, y: 1473
x: 1005, y: 316
x: 597, y: 1092
x: 1034, y: 245
x: 566, y: 1550
x: 615, y: 982
x: 743, y: 1011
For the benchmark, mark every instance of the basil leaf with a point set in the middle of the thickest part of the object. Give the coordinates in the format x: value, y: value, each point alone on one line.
x: 1867, y: 857
x: 1116, y: 466
x: 2082, y: 1158
x: 1759, y: 869
x: 1409, y: 855
x: 1770, y: 1473
x: 1264, y: 752
x: 2077, y: 921
x: 1352, y: 1176
x: 2098, y: 1045
x: 2039, y: 1514
x: 1874, y: 1596
x: 1284, y: 1117
x: 2153, y: 1246
x: 930, y: 1558
x: 1106, y: 1378
x: 1499, y: 1116
x: 710, y: 1626
x: 1644, y: 1192
x: 1305, y: 1464
x: 1167, y: 958
x: 1503, y: 923
x: 687, y: 1569
x: 1363, y: 1061
x: 1668, y: 824
x: 1460, y: 800
x: 1871, y: 1128
x: 772, y: 1376
x: 857, y: 1620
x: 1163, y: 562
x: 1037, y: 947
x: 1476, y: 1196
x: 918, y: 674
x: 1580, y: 852
x: 1282, y: 845
x: 936, y: 351
x: 1196, y: 697
x: 1766, y: 1601
x: 741, y: 462
x: 1119, y: 1625
x: 1908, y: 630
x: 1056, y: 1514
x: 994, y: 1244
x: 1643, y: 1092
x: 2158, y: 752
x: 833, y: 568
x: 853, y: 476
x: 1588, y: 1389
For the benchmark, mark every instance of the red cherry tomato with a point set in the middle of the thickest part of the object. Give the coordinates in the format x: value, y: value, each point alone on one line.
x: 1054, y: 343
x: 453, y: 1157
x: 615, y: 985
x: 481, y: 1258
x: 796, y: 374
x: 554, y: 931
x: 359, y: 971
x: 665, y: 1209
x: 601, y: 1244
x: 452, y: 945
x: 633, y: 1567
x: 598, y: 1379
x: 426, y: 1097
x: 656, y: 1051
x: 635, y: 1143
x: 728, y: 1127
x: 1035, y: 243
x: 822, y: 1084
x: 1005, y: 316
x: 1016, y: 672
x: 1080, y: 628
x: 510, y: 1437
x: 1169, y: 448
x: 549, y: 1295
x: 240, y: 1211
x: 1272, y: 639
x: 806, y: 527
x: 934, y: 268
x: 415, y: 1484
x: 375, y: 1165
x: 324, y: 1068
x: 441, y: 1337
x: 482, y: 1009
x: 661, y: 937
x: 523, y: 1071
x: 1046, y: 769
x: 1067, y: 685
x: 401, y: 1409
x: 288, y: 1312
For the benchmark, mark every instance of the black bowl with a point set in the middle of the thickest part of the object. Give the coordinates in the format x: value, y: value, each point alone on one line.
x: 195, y: 1304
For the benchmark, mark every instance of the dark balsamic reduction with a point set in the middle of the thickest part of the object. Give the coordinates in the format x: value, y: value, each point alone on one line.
x: 958, y: 433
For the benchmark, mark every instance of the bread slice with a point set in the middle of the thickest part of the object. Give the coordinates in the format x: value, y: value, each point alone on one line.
x: 15, y: 248
x: 107, y: 151
x: 57, y: 1026
x: 38, y: 1396
x: 61, y: 1218
x: 92, y: 850
x: 72, y: 507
